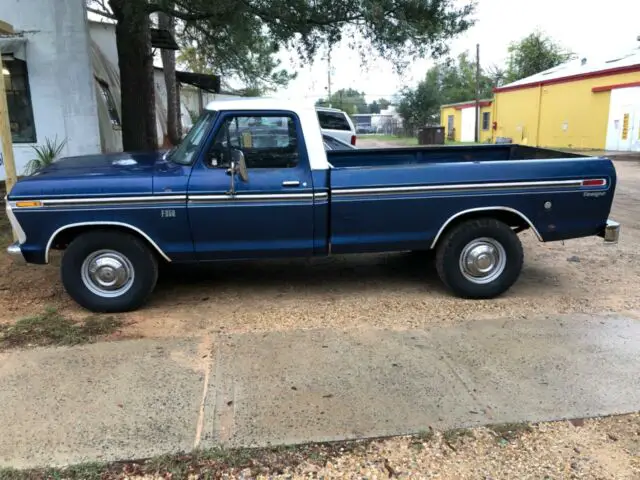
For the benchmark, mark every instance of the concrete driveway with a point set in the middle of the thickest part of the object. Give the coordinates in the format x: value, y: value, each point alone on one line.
x: 139, y: 398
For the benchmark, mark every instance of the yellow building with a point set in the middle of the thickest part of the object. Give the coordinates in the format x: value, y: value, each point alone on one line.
x: 580, y: 104
x: 459, y: 121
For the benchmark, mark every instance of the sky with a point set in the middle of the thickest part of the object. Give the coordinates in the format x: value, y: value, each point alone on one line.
x: 596, y: 31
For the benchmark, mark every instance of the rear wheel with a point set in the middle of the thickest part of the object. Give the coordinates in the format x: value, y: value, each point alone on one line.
x: 479, y: 258
x: 108, y: 271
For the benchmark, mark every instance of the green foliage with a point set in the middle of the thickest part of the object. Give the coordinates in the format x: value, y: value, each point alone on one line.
x: 533, y: 54
x: 377, y: 105
x: 349, y: 100
x: 447, y: 82
x: 452, y: 81
x: 397, y: 29
x: 45, y: 155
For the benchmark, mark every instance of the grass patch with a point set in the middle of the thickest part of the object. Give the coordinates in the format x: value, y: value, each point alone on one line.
x: 51, y: 328
x: 455, y: 434
x: 201, y: 464
x: 392, y: 139
x: 510, y: 431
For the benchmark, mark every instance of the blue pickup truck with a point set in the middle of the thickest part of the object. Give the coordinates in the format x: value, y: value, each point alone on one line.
x: 253, y: 179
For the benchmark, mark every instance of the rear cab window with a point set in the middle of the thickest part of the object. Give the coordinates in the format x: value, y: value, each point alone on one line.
x: 333, y: 121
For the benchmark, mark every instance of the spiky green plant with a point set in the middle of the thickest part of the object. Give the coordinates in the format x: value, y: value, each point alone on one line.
x: 45, y: 155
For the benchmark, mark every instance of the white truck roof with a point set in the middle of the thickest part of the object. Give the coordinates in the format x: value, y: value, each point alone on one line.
x: 305, y: 111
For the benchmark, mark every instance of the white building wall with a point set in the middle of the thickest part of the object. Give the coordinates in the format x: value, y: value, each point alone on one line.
x: 60, y: 74
x: 623, y: 130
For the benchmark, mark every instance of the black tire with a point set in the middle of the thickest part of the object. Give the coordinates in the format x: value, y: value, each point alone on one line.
x: 129, y: 247
x: 452, y: 246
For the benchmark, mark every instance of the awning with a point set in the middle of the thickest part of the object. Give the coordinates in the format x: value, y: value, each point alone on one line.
x: 210, y: 83
x: 14, y: 45
x: 163, y: 39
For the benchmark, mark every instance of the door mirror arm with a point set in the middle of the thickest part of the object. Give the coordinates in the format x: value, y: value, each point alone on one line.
x: 238, y: 166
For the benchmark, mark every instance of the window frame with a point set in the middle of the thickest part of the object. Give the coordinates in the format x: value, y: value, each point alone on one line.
x: 8, y: 63
x: 112, y: 107
x: 342, y: 115
x: 487, y: 116
x: 227, y: 117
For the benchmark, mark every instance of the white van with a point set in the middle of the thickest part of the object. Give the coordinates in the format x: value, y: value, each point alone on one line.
x: 337, y: 124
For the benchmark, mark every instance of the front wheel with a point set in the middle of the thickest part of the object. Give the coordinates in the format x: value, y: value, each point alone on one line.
x: 480, y: 258
x: 109, y: 271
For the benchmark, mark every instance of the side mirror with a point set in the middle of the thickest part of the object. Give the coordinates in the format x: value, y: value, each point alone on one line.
x: 239, y: 164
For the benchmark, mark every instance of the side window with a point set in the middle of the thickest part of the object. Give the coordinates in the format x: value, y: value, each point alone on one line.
x: 16, y: 82
x: 333, y: 121
x: 486, y: 117
x: 265, y: 141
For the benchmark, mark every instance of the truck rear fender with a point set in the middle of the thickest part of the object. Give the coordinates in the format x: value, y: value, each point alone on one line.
x: 510, y: 216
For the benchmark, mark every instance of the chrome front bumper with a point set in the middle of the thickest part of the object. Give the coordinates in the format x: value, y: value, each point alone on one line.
x: 611, y: 232
x: 15, y: 251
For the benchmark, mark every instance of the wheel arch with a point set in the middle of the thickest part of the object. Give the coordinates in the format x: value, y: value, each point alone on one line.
x: 508, y: 215
x: 65, y: 234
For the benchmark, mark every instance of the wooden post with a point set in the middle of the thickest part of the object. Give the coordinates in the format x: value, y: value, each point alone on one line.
x: 5, y: 127
x: 5, y: 135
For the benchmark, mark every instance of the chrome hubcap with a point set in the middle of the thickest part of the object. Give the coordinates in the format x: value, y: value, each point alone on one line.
x: 107, y: 273
x: 483, y: 260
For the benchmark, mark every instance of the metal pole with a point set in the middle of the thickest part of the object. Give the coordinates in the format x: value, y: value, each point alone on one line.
x: 329, y: 75
x: 477, y: 93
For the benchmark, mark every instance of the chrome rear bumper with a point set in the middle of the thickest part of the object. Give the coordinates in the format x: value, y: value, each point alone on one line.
x: 15, y: 251
x: 611, y: 232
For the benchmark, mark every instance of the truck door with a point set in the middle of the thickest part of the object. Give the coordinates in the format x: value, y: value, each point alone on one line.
x: 270, y: 214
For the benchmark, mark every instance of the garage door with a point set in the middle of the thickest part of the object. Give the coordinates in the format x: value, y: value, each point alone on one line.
x: 623, y: 129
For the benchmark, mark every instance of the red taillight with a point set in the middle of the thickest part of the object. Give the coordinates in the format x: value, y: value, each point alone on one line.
x: 353, y: 140
x: 596, y: 182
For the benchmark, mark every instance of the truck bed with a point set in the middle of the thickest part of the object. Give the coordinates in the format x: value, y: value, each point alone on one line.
x: 375, y: 157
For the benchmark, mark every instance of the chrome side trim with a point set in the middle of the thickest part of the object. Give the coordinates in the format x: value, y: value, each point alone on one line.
x: 75, y: 202
x: 457, y: 187
x: 321, y: 196
x: 117, y: 224
x: 15, y: 224
x: 250, y: 197
x: 485, y: 209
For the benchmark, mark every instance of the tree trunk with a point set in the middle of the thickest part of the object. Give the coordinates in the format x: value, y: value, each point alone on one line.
x: 165, y: 22
x: 135, y: 62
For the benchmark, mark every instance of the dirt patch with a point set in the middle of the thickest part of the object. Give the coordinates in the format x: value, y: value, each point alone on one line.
x: 606, y: 448
x: 387, y: 291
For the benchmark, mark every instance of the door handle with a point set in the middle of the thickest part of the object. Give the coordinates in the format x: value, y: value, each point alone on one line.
x: 291, y: 183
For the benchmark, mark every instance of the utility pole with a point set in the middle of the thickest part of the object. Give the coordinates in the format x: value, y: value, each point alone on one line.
x: 477, y: 136
x: 5, y: 128
x: 329, y: 75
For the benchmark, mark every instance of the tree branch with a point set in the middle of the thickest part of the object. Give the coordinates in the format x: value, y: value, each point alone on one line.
x: 102, y: 13
x: 187, y: 17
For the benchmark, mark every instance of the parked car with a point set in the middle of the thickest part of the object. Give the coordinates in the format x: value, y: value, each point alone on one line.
x: 230, y: 192
x: 336, y: 123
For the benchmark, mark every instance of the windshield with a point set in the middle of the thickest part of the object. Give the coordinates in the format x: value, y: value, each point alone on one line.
x: 190, y: 145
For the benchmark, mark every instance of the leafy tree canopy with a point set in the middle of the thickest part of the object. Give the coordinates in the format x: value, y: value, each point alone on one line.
x: 533, y: 54
x: 447, y: 82
x: 225, y: 32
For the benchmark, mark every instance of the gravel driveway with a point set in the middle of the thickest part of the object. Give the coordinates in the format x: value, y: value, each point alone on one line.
x: 387, y: 290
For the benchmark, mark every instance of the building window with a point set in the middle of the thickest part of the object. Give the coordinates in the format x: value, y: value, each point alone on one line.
x: 16, y: 82
x: 486, y: 119
x: 111, y: 104
x: 450, y: 123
